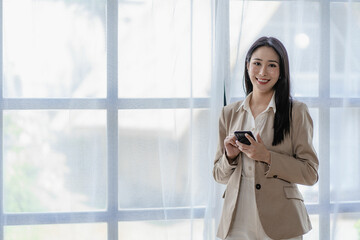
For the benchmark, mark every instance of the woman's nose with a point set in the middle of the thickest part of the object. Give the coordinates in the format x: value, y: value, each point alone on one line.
x: 262, y: 71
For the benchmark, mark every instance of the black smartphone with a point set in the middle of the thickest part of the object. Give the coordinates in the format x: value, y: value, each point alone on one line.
x: 240, y: 135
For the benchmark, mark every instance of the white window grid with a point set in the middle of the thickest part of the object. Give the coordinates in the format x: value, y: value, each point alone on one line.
x: 112, y: 215
x: 112, y: 104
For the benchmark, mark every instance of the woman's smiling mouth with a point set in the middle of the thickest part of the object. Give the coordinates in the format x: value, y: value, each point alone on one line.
x: 262, y: 81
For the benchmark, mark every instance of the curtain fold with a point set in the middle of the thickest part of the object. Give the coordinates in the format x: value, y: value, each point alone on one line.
x: 219, y: 86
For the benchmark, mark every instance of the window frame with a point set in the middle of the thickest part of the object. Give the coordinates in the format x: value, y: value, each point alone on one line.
x: 112, y: 215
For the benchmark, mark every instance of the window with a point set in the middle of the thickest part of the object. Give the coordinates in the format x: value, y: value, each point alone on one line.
x: 105, y: 106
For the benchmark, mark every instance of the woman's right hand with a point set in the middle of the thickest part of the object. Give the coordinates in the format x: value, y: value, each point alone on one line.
x: 232, y: 150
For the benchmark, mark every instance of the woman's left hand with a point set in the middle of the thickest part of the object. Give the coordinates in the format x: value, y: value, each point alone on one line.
x: 256, y: 151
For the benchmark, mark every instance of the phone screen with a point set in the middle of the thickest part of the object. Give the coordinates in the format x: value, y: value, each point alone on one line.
x: 240, y: 135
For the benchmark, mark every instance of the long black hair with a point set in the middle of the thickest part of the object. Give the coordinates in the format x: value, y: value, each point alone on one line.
x: 283, y: 99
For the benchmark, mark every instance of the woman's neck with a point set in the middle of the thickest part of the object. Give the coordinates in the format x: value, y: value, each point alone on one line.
x: 259, y: 102
x: 261, y: 99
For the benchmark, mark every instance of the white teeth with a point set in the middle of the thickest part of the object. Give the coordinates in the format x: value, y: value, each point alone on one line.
x: 264, y: 81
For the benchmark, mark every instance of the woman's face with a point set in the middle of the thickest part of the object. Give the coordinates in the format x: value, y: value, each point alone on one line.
x: 264, y: 69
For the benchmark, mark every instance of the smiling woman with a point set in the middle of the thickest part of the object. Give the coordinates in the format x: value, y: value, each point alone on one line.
x: 324, y: 60
x: 281, y: 157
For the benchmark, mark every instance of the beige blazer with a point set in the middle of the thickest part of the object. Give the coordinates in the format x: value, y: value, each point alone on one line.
x: 280, y: 204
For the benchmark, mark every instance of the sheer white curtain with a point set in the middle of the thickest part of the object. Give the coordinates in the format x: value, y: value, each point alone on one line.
x: 109, y: 112
x: 322, y: 41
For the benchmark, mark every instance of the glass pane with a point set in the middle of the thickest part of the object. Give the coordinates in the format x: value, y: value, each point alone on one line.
x: 57, y: 232
x: 345, y: 226
x: 311, y: 193
x: 162, y: 230
x: 201, y: 61
x: 344, y: 52
x: 54, y: 48
x: 54, y: 161
x: 154, y: 48
x: 296, y: 24
x: 314, y: 233
x: 162, y: 158
x: 345, y: 154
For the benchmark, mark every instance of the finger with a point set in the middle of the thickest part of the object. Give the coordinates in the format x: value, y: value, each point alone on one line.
x: 259, y: 138
x: 231, y: 135
x: 242, y: 147
x: 230, y: 142
x: 252, y: 141
x: 231, y: 138
x: 238, y: 144
x: 233, y: 143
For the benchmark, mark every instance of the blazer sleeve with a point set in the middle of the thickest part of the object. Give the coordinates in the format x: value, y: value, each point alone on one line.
x: 302, y: 166
x: 222, y: 169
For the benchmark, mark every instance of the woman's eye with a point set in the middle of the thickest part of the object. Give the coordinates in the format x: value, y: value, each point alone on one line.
x: 257, y: 64
x: 272, y: 65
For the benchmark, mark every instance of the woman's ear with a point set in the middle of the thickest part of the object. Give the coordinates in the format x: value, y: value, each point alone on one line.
x: 247, y: 66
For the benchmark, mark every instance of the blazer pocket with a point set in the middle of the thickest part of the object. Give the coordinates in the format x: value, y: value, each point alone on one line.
x: 292, y: 192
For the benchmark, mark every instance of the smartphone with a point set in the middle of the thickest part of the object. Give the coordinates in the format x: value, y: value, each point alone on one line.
x: 240, y: 135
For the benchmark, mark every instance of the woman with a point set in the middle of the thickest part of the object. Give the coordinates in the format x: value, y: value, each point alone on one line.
x: 262, y: 200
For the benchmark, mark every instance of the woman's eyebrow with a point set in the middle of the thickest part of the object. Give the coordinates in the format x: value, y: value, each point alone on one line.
x: 259, y: 59
x: 273, y: 61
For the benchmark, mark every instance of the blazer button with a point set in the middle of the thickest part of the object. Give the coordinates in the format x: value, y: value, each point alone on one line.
x: 258, y: 186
